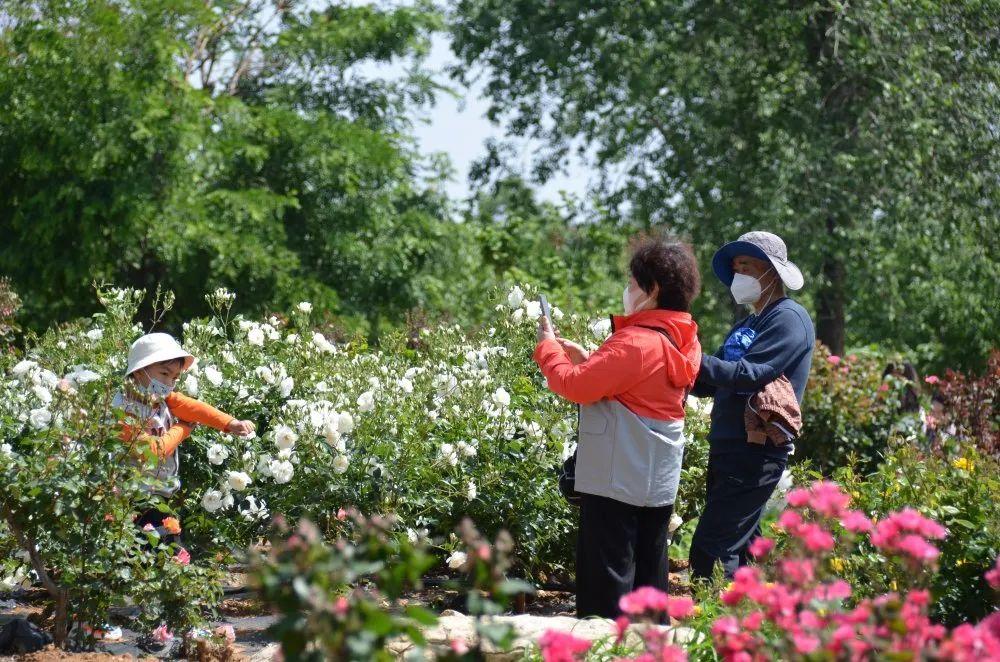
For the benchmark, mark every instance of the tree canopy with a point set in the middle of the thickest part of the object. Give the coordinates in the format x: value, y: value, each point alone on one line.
x: 865, y: 133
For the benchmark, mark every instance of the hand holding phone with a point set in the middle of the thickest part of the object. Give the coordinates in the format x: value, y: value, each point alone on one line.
x: 546, y: 310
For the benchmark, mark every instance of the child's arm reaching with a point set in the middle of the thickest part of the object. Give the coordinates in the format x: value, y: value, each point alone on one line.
x: 161, y: 446
x: 196, y: 411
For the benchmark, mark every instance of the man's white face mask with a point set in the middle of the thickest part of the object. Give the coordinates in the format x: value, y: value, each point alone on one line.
x: 747, y: 289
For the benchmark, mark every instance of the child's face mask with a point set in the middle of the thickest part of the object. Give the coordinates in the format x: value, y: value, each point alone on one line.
x: 155, y: 387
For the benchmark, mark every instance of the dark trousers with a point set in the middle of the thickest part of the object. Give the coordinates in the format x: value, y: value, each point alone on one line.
x: 619, y: 549
x: 738, y: 485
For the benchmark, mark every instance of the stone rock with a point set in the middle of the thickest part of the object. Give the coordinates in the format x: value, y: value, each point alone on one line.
x: 528, y: 630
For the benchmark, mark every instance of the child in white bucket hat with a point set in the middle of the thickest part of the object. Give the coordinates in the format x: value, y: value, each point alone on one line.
x: 159, y: 419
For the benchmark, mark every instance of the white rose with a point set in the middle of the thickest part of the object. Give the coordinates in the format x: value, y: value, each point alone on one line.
x: 264, y: 465
x: 255, y: 336
x: 265, y: 374
x: 284, y: 437
x: 42, y: 394
x: 471, y: 492
x: 366, y: 402
x: 600, y: 329
x: 557, y: 314
x: 40, y: 418
x: 6, y: 449
x: 217, y: 454
x: 518, y: 316
x: 286, y: 386
x: 532, y: 309
x: 340, y: 464
x: 321, y: 343
x: 305, y: 307
x: 212, y: 500
x: 675, y: 522
x: 515, y: 297
x: 282, y: 470
x: 457, y: 560
x: 412, y: 372
x: 345, y: 423
x: 82, y: 376
x: 95, y: 334
x: 501, y: 398
x: 227, y: 500
x: 405, y: 385
x: 239, y: 480
x: 213, y: 375
x: 468, y: 450
x: 24, y: 367
x: 331, y: 434
x: 191, y: 385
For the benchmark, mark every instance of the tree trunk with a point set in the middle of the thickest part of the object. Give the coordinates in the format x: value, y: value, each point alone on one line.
x: 830, y: 319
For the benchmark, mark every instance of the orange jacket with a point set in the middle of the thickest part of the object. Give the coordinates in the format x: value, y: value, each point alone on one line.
x: 187, y: 411
x: 637, y: 367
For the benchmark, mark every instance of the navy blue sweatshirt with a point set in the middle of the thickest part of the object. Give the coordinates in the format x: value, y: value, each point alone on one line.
x: 783, y: 345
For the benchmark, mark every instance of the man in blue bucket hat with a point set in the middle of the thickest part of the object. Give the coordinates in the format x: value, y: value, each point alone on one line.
x: 776, y: 340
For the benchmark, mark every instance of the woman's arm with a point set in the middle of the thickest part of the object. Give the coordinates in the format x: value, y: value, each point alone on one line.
x: 612, y: 369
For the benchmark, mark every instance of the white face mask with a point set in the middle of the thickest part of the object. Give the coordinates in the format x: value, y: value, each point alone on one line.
x: 629, y: 305
x: 155, y: 387
x: 746, y: 289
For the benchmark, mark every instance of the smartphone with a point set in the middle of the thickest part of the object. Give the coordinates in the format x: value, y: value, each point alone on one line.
x: 546, y: 310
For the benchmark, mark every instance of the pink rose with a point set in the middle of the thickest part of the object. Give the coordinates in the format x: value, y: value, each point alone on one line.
x: 459, y: 646
x: 162, y: 635
x: 149, y: 528
x: 833, y: 359
x: 182, y: 557
x: 932, y: 379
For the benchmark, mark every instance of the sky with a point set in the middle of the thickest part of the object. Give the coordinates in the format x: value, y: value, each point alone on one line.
x: 460, y: 130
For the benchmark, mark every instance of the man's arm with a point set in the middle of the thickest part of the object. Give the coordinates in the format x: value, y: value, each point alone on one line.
x: 775, y: 348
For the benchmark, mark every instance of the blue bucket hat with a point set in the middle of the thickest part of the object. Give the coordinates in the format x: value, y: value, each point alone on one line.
x: 763, y: 246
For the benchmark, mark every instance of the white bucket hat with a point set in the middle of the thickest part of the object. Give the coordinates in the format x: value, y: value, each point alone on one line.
x: 764, y: 246
x: 155, y: 348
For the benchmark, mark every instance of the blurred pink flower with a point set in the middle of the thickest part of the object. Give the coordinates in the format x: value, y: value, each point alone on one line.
x: 149, y: 528
x: 833, y: 359
x: 562, y: 646
x: 856, y: 521
x: 643, y: 599
x: 932, y: 379
x: 993, y: 576
x: 459, y: 646
x: 182, y: 557
x: 761, y: 547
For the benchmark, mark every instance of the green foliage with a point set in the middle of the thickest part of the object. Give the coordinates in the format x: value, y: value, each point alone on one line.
x: 72, y: 489
x: 960, y: 490
x: 850, y: 411
x: 325, y: 614
x: 172, y: 143
x: 862, y: 132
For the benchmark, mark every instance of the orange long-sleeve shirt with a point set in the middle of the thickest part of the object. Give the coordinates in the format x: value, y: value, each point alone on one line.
x: 188, y: 411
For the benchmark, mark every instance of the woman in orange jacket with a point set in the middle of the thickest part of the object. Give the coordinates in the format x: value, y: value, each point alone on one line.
x: 631, y: 393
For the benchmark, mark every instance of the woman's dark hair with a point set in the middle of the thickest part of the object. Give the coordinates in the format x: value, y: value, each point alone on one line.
x: 671, y: 264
